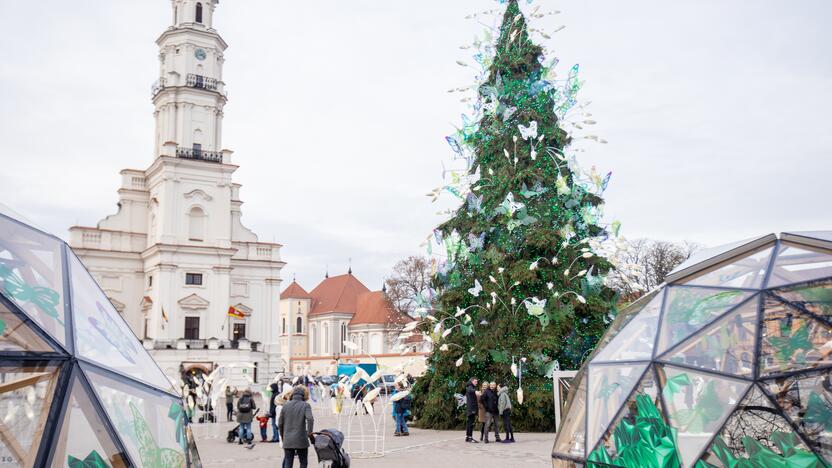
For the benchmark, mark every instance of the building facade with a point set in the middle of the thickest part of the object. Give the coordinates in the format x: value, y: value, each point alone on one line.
x: 176, y: 255
x: 314, y: 326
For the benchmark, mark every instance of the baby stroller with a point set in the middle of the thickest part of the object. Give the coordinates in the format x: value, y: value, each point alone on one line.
x: 328, y: 447
x: 233, y: 434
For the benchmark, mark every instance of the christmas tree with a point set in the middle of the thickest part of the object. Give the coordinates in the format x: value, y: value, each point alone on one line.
x: 520, y: 289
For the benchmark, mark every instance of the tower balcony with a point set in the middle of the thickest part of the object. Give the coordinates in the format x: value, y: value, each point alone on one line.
x: 157, y: 86
x: 201, y: 82
x: 199, y: 154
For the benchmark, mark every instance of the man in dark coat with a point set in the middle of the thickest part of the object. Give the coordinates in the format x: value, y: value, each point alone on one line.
x: 296, y: 425
x: 471, y: 408
x: 490, y: 400
x: 273, y: 412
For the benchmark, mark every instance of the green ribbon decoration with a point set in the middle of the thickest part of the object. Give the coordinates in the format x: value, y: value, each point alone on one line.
x: 674, y: 384
x: 44, y: 298
x: 177, y: 414
x: 93, y: 460
x: 647, y: 442
x: 761, y: 456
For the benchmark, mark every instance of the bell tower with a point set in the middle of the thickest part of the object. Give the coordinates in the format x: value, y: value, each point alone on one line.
x: 189, y: 95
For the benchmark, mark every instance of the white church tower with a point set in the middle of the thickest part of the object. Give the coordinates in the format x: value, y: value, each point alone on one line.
x: 176, y: 257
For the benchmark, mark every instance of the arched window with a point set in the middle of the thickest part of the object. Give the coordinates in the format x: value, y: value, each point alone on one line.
x: 283, y: 329
x: 326, y: 338
x: 343, y: 337
x: 299, y: 325
x: 199, y: 12
x: 314, y: 330
x: 196, y: 226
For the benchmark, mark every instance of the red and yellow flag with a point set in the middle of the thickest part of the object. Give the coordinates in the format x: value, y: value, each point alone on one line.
x: 235, y: 312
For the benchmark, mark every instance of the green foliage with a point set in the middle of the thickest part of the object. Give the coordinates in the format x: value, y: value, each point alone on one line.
x: 518, y: 264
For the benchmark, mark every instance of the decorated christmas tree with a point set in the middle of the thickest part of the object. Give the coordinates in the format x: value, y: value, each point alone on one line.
x: 519, y: 289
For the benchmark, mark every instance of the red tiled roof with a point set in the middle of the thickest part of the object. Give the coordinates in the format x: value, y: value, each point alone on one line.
x: 337, y: 294
x: 295, y: 291
x: 414, y: 338
x: 373, y: 307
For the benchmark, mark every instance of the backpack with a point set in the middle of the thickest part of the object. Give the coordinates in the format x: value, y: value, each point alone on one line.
x: 245, y: 405
x: 405, y: 403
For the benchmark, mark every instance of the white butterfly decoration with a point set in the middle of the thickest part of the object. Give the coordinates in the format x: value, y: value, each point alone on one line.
x: 511, y: 206
x: 476, y: 290
x: 350, y: 345
x: 372, y: 394
x: 535, y: 306
x: 528, y: 132
x: 519, y: 396
x: 398, y: 396
x: 514, y: 369
x: 459, y: 361
x: 368, y: 405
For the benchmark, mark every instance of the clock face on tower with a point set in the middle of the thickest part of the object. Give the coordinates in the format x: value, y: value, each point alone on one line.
x: 200, y: 54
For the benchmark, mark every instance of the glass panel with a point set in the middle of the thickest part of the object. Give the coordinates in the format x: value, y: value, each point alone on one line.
x: 18, y: 336
x: 84, y: 440
x: 747, y: 272
x: 635, y: 341
x: 705, y: 254
x: 609, y: 387
x: 688, y: 310
x: 570, y: 439
x: 640, y: 433
x: 697, y: 405
x: 726, y: 345
x: 25, y: 397
x: 792, y: 340
x: 102, y: 336
x: 798, y: 264
x: 31, y: 275
x: 757, y: 435
x: 623, y: 318
x: 151, y: 426
x: 815, y: 298
x: 807, y: 400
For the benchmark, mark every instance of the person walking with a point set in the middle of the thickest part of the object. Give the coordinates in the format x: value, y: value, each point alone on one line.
x: 471, y: 408
x: 296, y: 425
x: 481, y: 408
x: 229, y: 402
x: 504, y: 407
x: 490, y: 402
x: 273, y: 412
x: 400, y: 409
x: 245, y: 415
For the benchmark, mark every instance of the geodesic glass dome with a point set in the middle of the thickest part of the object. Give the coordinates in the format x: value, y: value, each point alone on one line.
x: 725, y: 365
x: 77, y: 389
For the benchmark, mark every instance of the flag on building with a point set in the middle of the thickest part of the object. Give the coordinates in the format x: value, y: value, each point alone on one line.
x: 235, y: 312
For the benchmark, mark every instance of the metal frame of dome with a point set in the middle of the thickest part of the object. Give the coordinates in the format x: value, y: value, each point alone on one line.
x: 68, y: 358
x: 646, y: 348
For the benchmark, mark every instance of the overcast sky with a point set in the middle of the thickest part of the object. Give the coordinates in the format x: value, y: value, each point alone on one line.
x: 717, y: 115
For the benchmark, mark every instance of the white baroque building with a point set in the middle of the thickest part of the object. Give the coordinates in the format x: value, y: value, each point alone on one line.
x: 176, y: 256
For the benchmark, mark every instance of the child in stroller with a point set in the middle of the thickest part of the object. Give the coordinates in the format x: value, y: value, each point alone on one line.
x: 328, y: 447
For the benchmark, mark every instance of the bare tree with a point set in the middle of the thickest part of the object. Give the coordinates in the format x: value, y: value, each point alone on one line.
x: 410, y: 278
x: 648, y: 263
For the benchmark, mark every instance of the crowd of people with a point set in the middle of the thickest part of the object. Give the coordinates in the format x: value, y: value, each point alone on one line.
x: 487, y: 405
